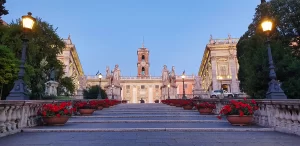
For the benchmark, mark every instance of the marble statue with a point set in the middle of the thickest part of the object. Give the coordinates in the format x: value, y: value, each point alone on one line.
x: 116, y: 75
x: 108, y: 75
x: 165, y: 76
x: 173, y: 77
x: 52, y: 74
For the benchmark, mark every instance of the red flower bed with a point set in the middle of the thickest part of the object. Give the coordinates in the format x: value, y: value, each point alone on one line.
x: 241, y: 108
x: 56, y: 109
x: 93, y: 104
x: 206, y: 105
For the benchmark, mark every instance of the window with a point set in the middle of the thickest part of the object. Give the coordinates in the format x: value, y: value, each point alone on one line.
x: 142, y: 86
x: 143, y: 71
x: 127, y: 86
x: 143, y: 57
x: 127, y: 91
x: 157, y: 86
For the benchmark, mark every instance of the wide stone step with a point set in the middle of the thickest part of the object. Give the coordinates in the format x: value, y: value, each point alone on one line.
x: 202, y: 117
x: 149, y: 130
x: 143, y: 121
x: 146, y: 113
x: 139, y: 116
x: 145, y: 125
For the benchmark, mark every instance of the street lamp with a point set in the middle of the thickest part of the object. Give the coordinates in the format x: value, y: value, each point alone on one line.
x: 183, y: 76
x: 19, y: 91
x: 100, y: 77
x: 274, y: 91
x: 112, y: 91
x: 168, y: 91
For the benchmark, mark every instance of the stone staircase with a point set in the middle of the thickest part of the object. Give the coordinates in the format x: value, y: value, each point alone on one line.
x: 148, y: 124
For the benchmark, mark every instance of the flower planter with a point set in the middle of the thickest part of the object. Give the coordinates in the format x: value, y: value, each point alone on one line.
x: 56, y: 121
x: 86, y: 112
x: 239, y: 120
x: 187, y: 107
x: 105, y: 106
x: 156, y: 101
x: 205, y: 111
x: 100, y: 107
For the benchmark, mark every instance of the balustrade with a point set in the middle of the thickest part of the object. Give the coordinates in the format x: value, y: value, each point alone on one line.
x: 15, y: 115
x: 282, y: 115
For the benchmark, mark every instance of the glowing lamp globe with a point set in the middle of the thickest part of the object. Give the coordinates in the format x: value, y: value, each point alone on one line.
x: 267, y: 25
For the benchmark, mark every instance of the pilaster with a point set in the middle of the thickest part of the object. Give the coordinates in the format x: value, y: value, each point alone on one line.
x: 214, y: 72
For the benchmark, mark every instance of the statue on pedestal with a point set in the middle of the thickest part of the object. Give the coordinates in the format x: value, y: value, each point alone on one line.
x: 51, y: 85
x: 165, y: 76
x: 116, y: 76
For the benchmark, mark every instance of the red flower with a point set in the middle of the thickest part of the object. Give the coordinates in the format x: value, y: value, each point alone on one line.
x: 241, y: 113
x: 58, y: 115
x: 219, y: 117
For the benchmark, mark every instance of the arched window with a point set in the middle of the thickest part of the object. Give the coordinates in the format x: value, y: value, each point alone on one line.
x: 143, y: 57
x: 143, y: 71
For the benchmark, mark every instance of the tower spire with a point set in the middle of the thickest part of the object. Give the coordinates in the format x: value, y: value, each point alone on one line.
x: 143, y: 44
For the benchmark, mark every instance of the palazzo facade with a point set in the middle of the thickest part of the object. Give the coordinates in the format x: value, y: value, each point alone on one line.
x: 72, y: 65
x: 143, y: 85
x: 219, y: 65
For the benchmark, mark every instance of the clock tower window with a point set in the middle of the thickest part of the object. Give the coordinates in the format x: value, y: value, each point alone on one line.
x: 143, y: 57
x: 143, y: 70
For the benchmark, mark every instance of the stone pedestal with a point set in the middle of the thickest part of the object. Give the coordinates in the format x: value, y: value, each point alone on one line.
x: 114, y: 92
x: 200, y: 93
x: 51, y: 88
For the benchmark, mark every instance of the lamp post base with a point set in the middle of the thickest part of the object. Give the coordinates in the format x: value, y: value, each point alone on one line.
x: 99, y: 96
x: 19, y: 91
x: 275, y: 91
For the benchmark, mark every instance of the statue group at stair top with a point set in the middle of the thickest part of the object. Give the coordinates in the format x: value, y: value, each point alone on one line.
x: 169, y: 77
x: 114, y: 76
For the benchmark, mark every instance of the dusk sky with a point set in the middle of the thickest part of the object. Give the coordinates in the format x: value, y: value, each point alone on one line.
x: 109, y: 32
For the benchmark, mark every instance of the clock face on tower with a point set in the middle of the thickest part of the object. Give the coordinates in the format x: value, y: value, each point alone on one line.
x: 143, y: 63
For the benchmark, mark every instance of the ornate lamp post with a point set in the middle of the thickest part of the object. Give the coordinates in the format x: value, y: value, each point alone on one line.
x: 274, y: 91
x: 112, y: 91
x: 168, y: 91
x: 100, y: 77
x: 19, y: 91
x: 183, y: 76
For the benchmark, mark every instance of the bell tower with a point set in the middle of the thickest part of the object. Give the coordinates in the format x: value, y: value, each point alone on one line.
x: 143, y: 62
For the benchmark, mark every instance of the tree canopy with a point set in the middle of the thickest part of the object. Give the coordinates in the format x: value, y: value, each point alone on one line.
x: 252, y: 52
x: 3, y: 11
x: 44, y: 46
x: 93, y: 91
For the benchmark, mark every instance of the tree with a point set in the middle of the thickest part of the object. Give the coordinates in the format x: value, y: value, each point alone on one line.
x: 252, y: 53
x: 93, y: 91
x: 66, y: 86
x: 8, y: 67
x: 44, y: 44
x: 3, y: 11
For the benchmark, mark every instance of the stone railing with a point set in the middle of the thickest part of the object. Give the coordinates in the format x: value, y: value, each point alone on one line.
x: 15, y: 115
x: 282, y: 115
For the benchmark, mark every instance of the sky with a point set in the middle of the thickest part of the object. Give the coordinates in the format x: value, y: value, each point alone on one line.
x: 109, y: 32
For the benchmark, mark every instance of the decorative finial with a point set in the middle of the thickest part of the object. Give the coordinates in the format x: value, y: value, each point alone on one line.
x: 29, y: 13
x: 262, y: 1
x: 143, y: 46
x: 69, y: 37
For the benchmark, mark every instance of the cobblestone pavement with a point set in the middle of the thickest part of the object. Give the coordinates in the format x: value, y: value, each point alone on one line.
x: 175, y: 127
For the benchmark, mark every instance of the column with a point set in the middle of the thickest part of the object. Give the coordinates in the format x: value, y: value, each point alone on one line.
x: 150, y: 94
x: 234, y: 86
x: 214, y: 72
x: 134, y: 94
x: 121, y: 90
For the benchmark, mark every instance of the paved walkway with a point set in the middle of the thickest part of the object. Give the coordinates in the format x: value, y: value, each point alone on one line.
x: 149, y: 124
